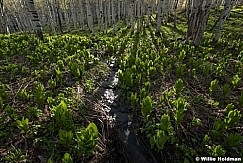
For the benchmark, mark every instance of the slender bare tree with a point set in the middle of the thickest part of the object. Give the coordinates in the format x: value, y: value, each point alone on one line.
x: 223, y: 16
x: 159, y: 16
x: 35, y: 19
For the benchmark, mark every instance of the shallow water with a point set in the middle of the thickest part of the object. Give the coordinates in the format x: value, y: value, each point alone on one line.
x: 117, y: 109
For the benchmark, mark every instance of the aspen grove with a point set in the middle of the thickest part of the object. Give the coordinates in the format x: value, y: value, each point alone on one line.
x: 121, y: 80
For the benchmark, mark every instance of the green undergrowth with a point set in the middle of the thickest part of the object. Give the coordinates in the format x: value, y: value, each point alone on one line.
x: 45, y: 94
x: 186, y: 101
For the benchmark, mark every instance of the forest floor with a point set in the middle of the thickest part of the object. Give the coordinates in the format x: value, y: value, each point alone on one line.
x: 152, y: 98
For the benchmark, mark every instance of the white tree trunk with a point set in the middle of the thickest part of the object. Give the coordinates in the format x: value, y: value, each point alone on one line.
x: 52, y: 21
x: 225, y: 12
x: 203, y: 22
x: 139, y: 16
x: 35, y: 19
x: 132, y: 15
x: 109, y: 12
x: 98, y: 13
x: 106, y: 15
x: 113, y: 16
x: 73, y: 15
x: 89, y: 17
x: 192, y: 19
x: 101, y: 16
x: 175, y: 9
x: 81, y: 14
x: 159, y: 16
x: 149, y: 12
x: 119, y: 12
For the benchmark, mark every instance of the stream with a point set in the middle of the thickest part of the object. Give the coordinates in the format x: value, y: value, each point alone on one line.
x: 116, y: 107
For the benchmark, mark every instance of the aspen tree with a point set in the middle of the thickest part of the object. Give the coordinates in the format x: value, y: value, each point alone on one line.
x: 73, y: 14
x: 105, y: 15
x: 35, y: 19
x: 192, y: 19
x: 218, y: 4
x: 52, y: 15
x: 159, y: 17
x: 132, y: 15
x: 223, y: 16
x: 109, y: 12
x: 89, y: 17
x: 175, y: 9
x: 59, y: 19
x: 119, y: 12
x: 97, y: 12
x: 81, y: 14
x: 101, y: 16
x: 139, y: 15
x: 113, y: 16
x: 203, y: 22
x: 149, y: 12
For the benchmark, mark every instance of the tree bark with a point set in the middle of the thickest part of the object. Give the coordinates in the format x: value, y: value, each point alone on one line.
x: 35, y: 19
x: 159, y: 17
x: 223, y: 16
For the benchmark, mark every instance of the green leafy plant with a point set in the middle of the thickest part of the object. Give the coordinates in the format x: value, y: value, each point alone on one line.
x: 147, y: 85
x: 3, y: 93
x: 76, y: 68
x: 180, y: 70
x: 15, y: 156
x: 180, y: 105
x: 23, y: 124
x: 228, y: 108
x: 240, y: 99
x: 42, y: 74
x: 218, y: 128
x: 213, y: 86
x: 34, y: 112
x: 24, y: 95
x: 67, y: 158
x: 159, y: 140
x: 182, y: 55
x: 147, y: 106
x: 235, y: 81
x: 87, y: 139
x: 65, y: 138
x: 207, y: 68
x: 165, y: 122
x: 134, y: 100
x: 218, y: 151
x: 233, y: 140
x: 120, y: 75
x: 196, y: 121
x: 63, y: 117
x: 152, y: 71
x: 178, y: 86
x: 39, y: 94
x: 232, y: 118
x: 220, y: 70
x: 11, y: 113
x: 59, y: 75
x: 142, y: 93
x: 213, y: 103
x: 1, y: 104
x: 89, y: 86
x: 60, y: 65
x: 168, y: 95
x: 128, y: 77
x: 226, y: 90
x: 52, y: 83
x: 206, y: 139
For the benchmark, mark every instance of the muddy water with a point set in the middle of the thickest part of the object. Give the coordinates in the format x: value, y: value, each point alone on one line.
x: 116, y: 108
